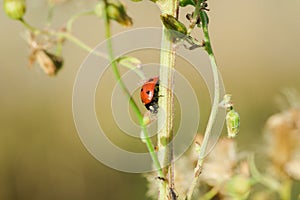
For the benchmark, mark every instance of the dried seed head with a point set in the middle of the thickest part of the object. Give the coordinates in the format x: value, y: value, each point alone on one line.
x: 50, y: 63
x: 283, y: 138
x: 220, y: 163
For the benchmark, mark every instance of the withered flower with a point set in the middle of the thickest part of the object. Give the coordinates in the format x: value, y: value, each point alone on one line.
x: 283, y: 138
x: 220, y: 163
x: 49, y: 62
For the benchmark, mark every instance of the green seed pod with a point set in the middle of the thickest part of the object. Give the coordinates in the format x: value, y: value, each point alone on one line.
x: 173, y: 24
x: 15, y: 9
x: 233, y: 123
x: 116, y: 11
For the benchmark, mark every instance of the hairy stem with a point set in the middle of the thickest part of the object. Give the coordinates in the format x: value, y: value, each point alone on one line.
x: 166, y: 102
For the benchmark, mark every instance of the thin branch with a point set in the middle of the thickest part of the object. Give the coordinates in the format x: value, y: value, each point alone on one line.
x: 215, y: 103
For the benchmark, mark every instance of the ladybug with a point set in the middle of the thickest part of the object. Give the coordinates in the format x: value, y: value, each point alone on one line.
x: 149, y: 94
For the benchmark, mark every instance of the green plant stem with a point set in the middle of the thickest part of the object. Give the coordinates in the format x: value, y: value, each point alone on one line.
x: 50, y: 13
x: 79, y: 43
x: 64, y: 35
x: 76, y: 41
x: 195, y: 16
x: 75, y: 17
x: 166, y: 102
x: 132, y: 103
x: 215, y: 104
x: 269, y: 182
x: 285, y: 189
x: 210, y: 194
x: 29, y: 27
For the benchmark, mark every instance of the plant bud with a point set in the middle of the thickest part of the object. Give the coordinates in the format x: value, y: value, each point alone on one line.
x: 233, y: 123
x: 15, y: 9
x: 116, y: 11
x: 173, y: 24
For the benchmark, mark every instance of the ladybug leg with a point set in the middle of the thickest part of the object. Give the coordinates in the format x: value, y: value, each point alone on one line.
x: 153, y: 107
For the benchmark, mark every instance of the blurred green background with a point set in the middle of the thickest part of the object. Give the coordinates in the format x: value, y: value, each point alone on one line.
x: 257, y: 46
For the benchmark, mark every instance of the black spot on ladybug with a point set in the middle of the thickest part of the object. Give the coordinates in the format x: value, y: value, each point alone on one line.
x: 148, y: 92
x: 142, y: 90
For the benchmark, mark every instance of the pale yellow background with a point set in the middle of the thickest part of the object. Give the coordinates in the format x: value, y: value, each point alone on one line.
x: 257, y: 46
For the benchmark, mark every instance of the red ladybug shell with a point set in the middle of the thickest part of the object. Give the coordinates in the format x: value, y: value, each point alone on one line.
x: 149, y: 94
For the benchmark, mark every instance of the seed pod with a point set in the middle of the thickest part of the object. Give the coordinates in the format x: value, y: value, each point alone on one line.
x: 115, y: 10
x: 118, y: 13
x: 173, y: 24
x: 233, y: 123
x: 50, y: 63
x: 15, y: 9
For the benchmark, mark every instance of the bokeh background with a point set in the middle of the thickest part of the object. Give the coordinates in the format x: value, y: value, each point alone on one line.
x: 257, y: 46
